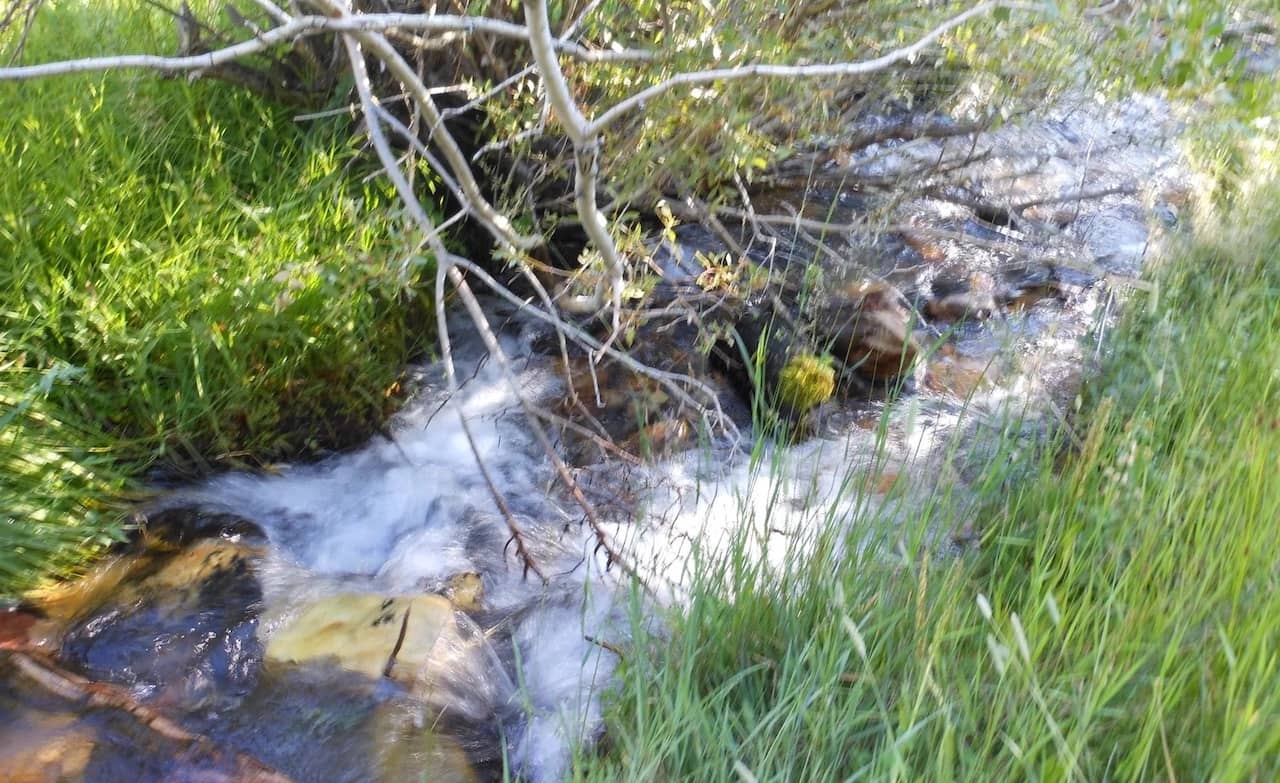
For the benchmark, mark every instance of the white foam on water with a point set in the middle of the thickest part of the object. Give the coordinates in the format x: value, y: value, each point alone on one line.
x: 405, y: 515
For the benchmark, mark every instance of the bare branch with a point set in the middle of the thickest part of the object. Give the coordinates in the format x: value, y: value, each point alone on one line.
x: 448, y: 264
x: 300, y: 26
x: 46, y: 673
x: 862, y: 68
x: 586, y: 155
x: 498, y: 225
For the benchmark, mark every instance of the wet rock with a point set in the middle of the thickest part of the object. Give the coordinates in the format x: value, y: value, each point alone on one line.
x: 772, y: 357
x: 182, y: 629
x: 1116, y: 238
x: 62, y: 603
x: 958, y: 376
x: 869, y: 326
x: 405, y: 750
x: 466, y: 591
x: 660, y: 439
x: 51, y: 729
x: 420, y: 642
x: 49, y: 748
x: 369, y: 634
x: 615, y: 410
x: 322, y: 723
x: 16, y: 625
x: 973, y: 298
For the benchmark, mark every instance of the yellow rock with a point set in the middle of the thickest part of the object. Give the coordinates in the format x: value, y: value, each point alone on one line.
x: 64, y: 601
x: 467, y: 591
x: 51, y: 750
x: 191, y: 568
x: 360, y: 631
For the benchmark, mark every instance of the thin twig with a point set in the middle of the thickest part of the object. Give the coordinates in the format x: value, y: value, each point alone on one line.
x: 613, y: 648
x: 816, y: 71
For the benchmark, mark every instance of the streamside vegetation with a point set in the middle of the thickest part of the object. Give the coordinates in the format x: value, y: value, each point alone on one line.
x: 191, y: 279
x: 195, y: 278
x: 1119, y: 618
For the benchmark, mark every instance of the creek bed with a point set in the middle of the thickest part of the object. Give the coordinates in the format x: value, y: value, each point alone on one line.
x: 367, y: 617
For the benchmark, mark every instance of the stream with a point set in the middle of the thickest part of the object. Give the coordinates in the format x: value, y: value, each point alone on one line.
x: 369, y: 618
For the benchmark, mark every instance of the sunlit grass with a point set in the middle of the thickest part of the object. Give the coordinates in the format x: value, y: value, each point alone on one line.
x: 191, y: 280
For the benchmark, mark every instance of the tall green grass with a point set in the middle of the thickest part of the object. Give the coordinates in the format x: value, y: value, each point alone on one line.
x: 1121, y: 620
x: 190, y: 280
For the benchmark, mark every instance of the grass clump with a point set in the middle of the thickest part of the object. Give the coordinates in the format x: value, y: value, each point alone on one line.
x: 1121, y: 620
x: 191, y: 279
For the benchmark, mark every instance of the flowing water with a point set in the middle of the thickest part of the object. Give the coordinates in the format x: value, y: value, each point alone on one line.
x: 268, y: 658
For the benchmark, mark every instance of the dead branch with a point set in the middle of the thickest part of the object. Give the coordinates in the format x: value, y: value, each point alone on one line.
x: 602, y: 644
x: 45, y: 672
x: 586, y: 156
x: 517, y: 537
x: 303, y: 26
x: 28, y: 10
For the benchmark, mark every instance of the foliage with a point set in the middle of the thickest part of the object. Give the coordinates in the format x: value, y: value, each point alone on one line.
x: 191, y: 277
x: 694, y: 140
x: 1121, y: 620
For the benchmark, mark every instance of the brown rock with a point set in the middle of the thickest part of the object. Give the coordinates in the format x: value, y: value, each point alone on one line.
x: 972, y: 298
x: 955, y: 375
x: 54, y: 749
x: 15, y: 628
x: 868, y: 325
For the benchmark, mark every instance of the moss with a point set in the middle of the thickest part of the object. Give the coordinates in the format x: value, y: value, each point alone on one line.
x: 806, y: 381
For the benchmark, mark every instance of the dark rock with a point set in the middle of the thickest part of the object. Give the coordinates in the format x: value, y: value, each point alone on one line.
x: 182, y: 632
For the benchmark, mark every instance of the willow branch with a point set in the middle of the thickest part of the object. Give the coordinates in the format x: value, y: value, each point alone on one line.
x: 300, y: 26
x: 586, y: 151
x: 448, y: 262
x: 770, y: 71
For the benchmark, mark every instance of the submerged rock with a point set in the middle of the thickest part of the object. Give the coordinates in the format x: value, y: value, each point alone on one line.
x: 973, y: 297
x: 369, y: 634
x: 44, y: 748
x: 182, y: 628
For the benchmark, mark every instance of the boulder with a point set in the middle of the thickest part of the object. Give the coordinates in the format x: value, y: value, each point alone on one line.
x: 371, y: 634
x: 868, y: 325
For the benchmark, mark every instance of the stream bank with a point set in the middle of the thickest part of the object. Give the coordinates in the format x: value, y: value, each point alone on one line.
x: 1005, y: 313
